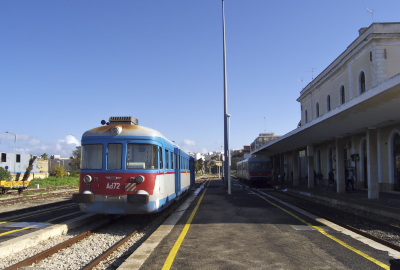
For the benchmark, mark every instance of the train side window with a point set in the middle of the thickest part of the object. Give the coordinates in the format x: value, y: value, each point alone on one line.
x: 92, y: 156
x: 161, y: 158
x: 167, y: 163
x: 114, y: 156
x: 173, y: 161
x: 3, y: 157
x: 18, y: 158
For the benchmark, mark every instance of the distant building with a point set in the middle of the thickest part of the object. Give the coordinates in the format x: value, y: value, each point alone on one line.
x: 262, y: 140
x: 199, y: 156
x: 17, y: 164
x: 246, y: 151
x: 56, y: 160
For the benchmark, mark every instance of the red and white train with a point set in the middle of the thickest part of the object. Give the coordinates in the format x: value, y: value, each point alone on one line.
x: 131, y: 169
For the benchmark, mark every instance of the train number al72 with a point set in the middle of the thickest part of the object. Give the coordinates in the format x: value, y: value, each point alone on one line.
x: 113, y: 185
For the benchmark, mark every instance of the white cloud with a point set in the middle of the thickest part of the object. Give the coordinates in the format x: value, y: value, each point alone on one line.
x: 27, y: 145
x: 70, y: 139
x: 188, y: 142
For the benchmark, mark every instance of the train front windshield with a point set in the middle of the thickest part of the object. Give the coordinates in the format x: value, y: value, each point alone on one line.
x: 142, y: 156
x: 92, y: 156
x: 138, y: 156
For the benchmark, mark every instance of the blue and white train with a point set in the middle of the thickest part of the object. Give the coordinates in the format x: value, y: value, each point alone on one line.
x: 131, y: 169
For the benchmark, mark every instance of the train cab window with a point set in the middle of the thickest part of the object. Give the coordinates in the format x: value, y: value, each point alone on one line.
x: 3, y: 157
x: 92, y: 156
x: 114, y: 156
x: 18, y: 158
x: 142, y: 156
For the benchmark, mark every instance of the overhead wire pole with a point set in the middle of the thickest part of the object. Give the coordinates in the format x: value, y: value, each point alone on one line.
x: 227, y: 161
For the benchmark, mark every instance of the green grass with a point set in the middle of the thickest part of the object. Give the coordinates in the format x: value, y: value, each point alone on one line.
x: 52, y: 182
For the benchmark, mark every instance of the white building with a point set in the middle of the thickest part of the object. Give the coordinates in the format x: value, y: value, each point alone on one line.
x: 16, y: 163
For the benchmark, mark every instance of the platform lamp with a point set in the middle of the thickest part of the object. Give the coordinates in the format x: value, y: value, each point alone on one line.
x: 15, y: 154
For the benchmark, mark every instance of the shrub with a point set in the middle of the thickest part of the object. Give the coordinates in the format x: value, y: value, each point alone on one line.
x: 5, y: 175
x: 60, y: 171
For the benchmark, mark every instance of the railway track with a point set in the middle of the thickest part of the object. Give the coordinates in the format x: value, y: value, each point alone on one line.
x: 15, y: 197
x: 89, y: 247
x: 101, y: 248
x: 84, y: 236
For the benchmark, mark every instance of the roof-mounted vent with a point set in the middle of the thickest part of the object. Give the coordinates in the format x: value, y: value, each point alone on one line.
x: 124, y: 120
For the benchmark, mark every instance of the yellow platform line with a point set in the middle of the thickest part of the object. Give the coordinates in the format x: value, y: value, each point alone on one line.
x: 174, y: 251
x: 26, y: 228
x: 48, y: 221
x: 321, y: 230
x: 70, y: 214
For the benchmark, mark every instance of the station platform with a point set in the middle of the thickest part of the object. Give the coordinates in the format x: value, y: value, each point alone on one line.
x: 216, y: 230
x: 388, y: 203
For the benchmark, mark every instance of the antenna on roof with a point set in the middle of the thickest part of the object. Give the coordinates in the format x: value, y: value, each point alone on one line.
x: 312, y: 73
x: 301, y: 81
x: 372, y: 14
x: 265, y: 124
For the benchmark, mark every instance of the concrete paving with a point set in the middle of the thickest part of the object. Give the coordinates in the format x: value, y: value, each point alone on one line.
x: 244, y: 230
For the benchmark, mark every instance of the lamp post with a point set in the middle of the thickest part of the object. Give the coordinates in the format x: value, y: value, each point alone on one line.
x: 227, y: 171
x: 15, y: 142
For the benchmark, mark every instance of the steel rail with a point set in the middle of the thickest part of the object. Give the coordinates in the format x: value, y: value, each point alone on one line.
x: 108, y: 252
x: 47, y: 253
x: 33, y: 197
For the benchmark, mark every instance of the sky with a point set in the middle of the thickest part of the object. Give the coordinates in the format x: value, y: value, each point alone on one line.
x: 67, y: 65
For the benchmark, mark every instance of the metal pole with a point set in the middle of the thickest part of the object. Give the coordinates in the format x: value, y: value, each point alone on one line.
x: 15, y: 154
x: 227, y: 175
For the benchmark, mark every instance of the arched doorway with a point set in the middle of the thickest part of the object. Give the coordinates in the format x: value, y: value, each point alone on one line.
x: 364, y: 163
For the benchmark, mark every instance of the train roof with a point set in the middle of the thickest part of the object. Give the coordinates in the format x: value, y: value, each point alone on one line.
x: 124, y: 126
x: 123, y: 130
x: 255, y: 159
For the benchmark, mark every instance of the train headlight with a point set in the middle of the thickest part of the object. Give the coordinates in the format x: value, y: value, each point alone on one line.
x: 116, y: 130
x: 87, y: 178
x: 140, y: 179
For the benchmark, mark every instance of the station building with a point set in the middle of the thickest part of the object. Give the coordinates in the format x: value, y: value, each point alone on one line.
x: 350, y: 119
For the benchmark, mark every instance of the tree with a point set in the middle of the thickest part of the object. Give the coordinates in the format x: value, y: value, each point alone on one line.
x: 5, y: 175
x: 29, y: 168
x: 45, y: 156
x: 200, y: 165
x: 75, y: 159
x: 60, y: 171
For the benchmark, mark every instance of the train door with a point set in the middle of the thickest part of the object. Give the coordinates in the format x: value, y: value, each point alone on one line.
x: 192, y: 171
x: 177, y: 158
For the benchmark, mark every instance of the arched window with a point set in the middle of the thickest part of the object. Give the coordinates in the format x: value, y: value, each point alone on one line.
x: 361, y: 82
x: 317, y: 109
x: 328, y: 103
x: 305, y: 116
x: 342, y: 95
